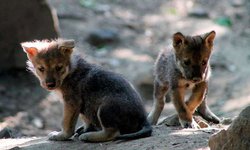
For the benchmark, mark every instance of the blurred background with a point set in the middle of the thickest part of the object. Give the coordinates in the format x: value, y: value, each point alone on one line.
x: 124, y: 36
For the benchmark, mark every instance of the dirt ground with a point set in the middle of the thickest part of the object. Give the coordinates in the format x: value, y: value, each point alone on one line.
x: 142, y: 28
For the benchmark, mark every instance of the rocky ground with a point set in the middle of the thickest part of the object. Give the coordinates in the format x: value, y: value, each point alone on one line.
x: 126, y: 36
x: 163, y: 138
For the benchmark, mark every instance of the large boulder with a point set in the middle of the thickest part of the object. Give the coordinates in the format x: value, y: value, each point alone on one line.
x: 236, y: 136
x: 21, y: 21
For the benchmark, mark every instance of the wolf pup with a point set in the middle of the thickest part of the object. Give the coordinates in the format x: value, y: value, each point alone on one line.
x: 186, y: 66
x: 106, y: 102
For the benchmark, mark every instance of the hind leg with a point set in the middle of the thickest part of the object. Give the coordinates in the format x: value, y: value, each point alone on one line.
x: 106, y: 134
x: 159, y: 96
x: 204, y: 111
x: 87, y: 127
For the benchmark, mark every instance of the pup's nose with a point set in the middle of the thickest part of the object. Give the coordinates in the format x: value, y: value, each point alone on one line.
x: 196, y: 79
x: 51, y: 84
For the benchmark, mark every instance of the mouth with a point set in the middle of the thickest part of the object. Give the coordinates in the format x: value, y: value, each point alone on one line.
x: 51, y: 88
x: 196, y: 80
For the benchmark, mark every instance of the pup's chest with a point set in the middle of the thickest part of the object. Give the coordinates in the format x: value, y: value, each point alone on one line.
x: 58, y: 93
x: 186, y: 84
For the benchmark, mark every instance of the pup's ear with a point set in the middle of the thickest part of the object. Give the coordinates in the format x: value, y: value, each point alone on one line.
x: 178, y: 39
x: 30, y: 51
x: 66, y: 46
x: 209, y: 38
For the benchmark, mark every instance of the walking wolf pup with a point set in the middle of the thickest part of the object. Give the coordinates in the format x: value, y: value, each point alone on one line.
x: 105, y: 101
x: 186, y: 66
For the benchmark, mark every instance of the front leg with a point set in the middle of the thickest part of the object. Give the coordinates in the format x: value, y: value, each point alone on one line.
x: 199, y: 92
x: 198, y: 99
x: 70, y: 116
x: 185, y: 115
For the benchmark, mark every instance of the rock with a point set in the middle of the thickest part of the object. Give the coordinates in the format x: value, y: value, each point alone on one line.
x: 198, y: 12
x: 23, y: 21
x: 171, y: 120
x: 237, y: 3
x: 5, y: 133
x: 226, y: 121
x: 236, y: 136
x: 201, y: 123
x: 8, y: 132
x: 102, y: 37
x: 38, y: 122
x: 102, y: 8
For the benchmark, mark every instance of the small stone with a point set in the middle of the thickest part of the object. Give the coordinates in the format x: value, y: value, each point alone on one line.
x: 172, y: 120
x: 232, y: 68
x: 38, y: 123
x: 198, y: 12
x: 203, y: 124
x: 102, y: 8
x: 114, y: 62
x: 5, y: 133
x: 237, y: 3
x: 226, y: 121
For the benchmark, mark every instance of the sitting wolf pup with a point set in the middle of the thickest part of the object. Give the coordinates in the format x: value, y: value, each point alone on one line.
x: 186, y: 66
x: 105, y: 101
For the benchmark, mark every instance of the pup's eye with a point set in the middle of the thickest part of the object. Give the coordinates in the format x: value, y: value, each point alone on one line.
x: 41, y: 69
x: 187, y: 62
x: 203, y: 63
x: 59, y: 68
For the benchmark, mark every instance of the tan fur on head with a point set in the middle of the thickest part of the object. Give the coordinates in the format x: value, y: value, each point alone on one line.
x: 209, y: 38
x: 49, y: 60
x: 34, y: 47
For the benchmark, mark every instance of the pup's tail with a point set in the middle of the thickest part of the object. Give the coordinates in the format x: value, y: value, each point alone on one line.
x: 146, y: 131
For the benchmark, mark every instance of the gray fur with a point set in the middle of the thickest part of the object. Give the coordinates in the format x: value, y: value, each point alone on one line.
x: 184, y: 66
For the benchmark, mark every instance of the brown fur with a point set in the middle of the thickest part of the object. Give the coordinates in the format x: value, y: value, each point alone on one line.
x: 105, y: 101
x: 186, y: 66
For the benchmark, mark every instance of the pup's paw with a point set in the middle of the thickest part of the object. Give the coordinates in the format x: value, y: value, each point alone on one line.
x: 187, y: 124
x: 58, y: 136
